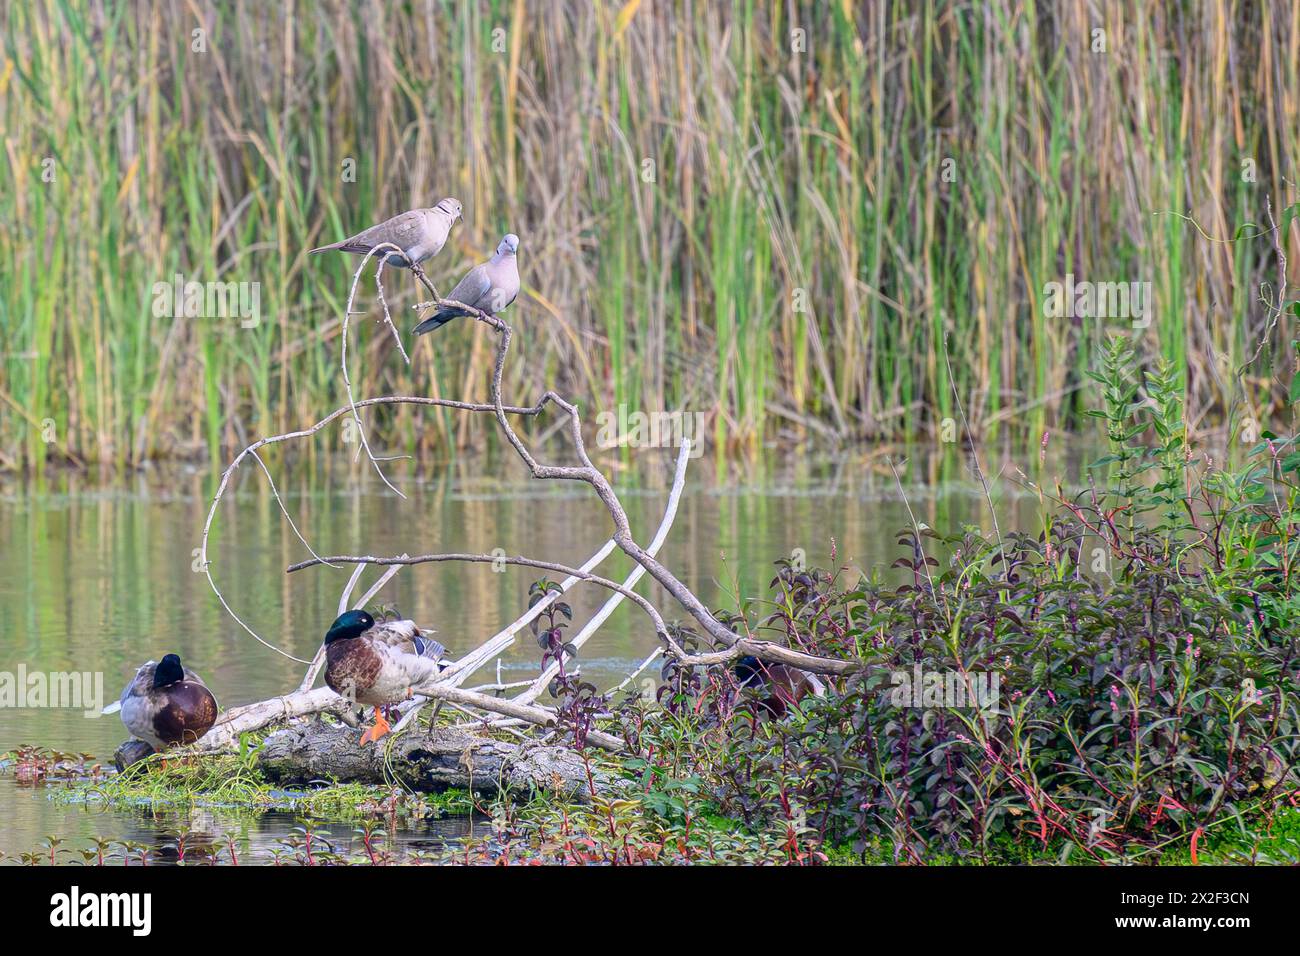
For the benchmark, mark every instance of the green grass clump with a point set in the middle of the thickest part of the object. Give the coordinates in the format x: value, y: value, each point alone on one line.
x: 224, y: 779
x: 1136, y: 656
x: 232, y: 781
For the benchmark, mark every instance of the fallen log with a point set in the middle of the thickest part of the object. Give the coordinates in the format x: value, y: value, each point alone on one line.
x: 433, y: 760
x: 131, y: 752
x: 239, y: 720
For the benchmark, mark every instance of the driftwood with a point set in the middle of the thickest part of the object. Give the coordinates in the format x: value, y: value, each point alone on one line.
x: 240, y: 720
x: 292, y: 707
x: 428, y: 761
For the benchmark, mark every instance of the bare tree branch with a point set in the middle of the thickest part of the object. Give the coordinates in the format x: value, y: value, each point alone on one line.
x: 445, y: 686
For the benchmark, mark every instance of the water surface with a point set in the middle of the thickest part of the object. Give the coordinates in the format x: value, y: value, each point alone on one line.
x: 101, y: 578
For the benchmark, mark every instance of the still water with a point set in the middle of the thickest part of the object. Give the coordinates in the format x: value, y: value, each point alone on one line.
x: 101, y: 578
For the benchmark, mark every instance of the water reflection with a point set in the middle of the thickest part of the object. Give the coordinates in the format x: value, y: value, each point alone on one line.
x: 89, y: 832
x: 101, y: 579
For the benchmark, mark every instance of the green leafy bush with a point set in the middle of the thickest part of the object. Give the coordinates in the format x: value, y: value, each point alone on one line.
x: 1138, y: 659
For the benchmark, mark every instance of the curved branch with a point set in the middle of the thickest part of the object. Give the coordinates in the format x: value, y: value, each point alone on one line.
x: 347, y: 314
x: 444, y: 686
x: 517, y: 560
x: 741, y: 646
x: 599, y: 618
x: 252, y: 449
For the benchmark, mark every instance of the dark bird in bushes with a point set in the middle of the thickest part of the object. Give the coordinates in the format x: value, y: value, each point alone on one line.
x: 378, y: 663
x: 782, y: 685
x: 166, y: 704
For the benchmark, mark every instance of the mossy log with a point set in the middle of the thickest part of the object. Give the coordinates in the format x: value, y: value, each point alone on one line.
x: 427, y: 761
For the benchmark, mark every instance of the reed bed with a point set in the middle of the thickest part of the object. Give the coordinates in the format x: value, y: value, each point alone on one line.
x: 719, y: 213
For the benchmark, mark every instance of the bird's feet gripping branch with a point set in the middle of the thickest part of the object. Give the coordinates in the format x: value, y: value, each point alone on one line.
x: 379, y: 729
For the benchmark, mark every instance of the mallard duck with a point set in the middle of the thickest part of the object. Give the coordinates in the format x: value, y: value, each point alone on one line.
x: 166, y: 704
x: 378, y: 663
x: 787, y: 685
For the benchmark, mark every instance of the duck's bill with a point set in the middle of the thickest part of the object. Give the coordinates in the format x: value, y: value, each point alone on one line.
x: 112, y: 708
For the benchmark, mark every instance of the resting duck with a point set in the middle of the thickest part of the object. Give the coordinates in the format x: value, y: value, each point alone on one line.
x: 378, y: 663
x: 787, y: 685
x: 166, y: 704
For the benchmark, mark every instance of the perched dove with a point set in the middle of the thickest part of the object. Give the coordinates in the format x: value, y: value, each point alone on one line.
x: 420, y: 233
x: 488, y: 287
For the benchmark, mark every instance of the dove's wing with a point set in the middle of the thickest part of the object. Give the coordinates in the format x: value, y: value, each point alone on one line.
x: 475, y: 286
x: 486, y: 287
x: 403, y: 231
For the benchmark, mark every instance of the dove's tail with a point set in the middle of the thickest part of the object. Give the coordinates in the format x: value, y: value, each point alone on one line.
x: 332, y: 245
x: 437, y: 320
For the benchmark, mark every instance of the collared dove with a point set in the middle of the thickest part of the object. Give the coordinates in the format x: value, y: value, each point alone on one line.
x: 488, y: 287
x: 420, y: 233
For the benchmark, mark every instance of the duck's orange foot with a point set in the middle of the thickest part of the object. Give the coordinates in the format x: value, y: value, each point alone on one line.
x: 376, y: 730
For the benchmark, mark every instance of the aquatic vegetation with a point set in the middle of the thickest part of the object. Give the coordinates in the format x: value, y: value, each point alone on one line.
x: 156, y: 789
x: 31, y: 765
x: 623, y: 832
x: 232, y: 781
x: 1142, y: 650
x: 1121, y: 685
x: 307, y: 845
x: 784, y: 256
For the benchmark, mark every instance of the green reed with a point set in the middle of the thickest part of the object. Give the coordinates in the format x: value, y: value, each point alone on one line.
x: 711, y: 220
